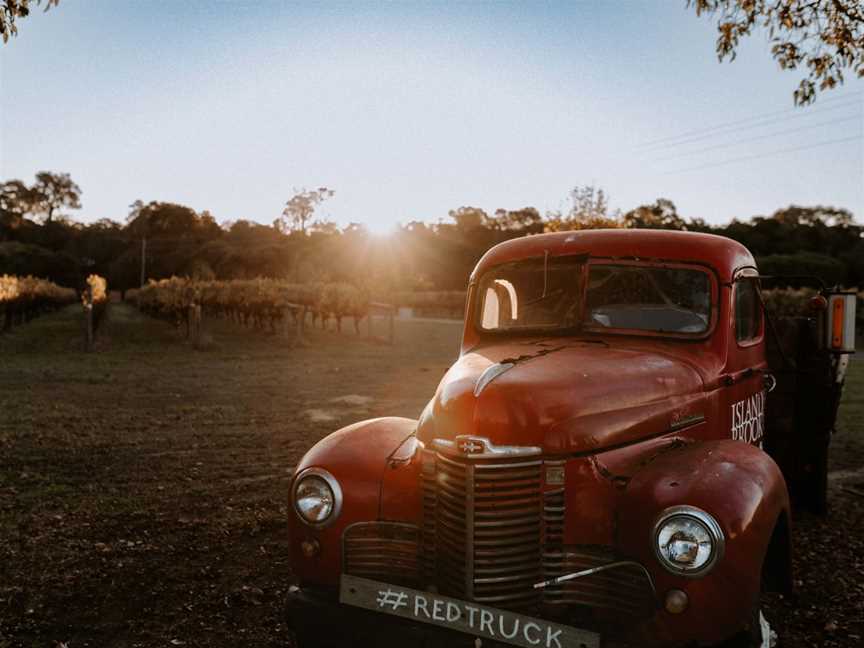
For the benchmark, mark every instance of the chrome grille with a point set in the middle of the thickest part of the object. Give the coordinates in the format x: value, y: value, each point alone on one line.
x: 451, y: 513
x: 553, y: 518
x: 507, y: 535
x: 486, y: 518
x: 429, y: 553
x: 384, y: 551
x: 626, y: 590
x: 492, y: 528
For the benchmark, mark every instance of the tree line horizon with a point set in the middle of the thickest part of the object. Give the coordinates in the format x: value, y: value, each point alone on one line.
x: 38, y: 237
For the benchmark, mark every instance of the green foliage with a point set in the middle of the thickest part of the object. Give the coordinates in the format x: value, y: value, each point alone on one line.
x: 23, y: 298
x: 825, y: 36
x: 50, y: 192
x: 53, y: 191
x: 15, y: 198
x: 417, y: 257
x: 96, y: 290
x: 300, y: 208
x: 830, y: 270
x: 27, y: 259
x: 788, y: 302
x: 255, y: 297
x: 522, y: 221
x: 589, y: 209
x: 588, y: 203
x: 12, y: 10
x: 342, y: 298
x: 200, y: 270
x: 29, y: 289
x: 165, y: 221
x: 661, y: 215
x: 792, y: 302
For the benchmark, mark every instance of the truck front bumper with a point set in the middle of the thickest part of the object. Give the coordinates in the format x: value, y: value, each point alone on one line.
x: 318, y: 619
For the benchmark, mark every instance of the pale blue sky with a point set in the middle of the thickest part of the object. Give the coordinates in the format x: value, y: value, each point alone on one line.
x: 408, y: 110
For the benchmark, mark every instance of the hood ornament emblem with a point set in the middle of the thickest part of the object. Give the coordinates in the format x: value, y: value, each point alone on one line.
x: 469, y: 445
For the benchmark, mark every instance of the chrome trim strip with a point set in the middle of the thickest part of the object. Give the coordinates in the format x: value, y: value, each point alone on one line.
x: 508, y: 466
x: 469, y: 532
x: 468, y: 446
x: 587, y: 572
x: 490, y: 374
x: 687, y: 421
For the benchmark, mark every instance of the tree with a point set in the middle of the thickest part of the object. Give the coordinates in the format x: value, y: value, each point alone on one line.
x: 300, y: 208
x: 50, y: 192
x: 468, y: 218
x: 54, y: 191
x: 811, y: 216
x: 16, y: 198
x: 135, y: 210
x: 588, y: 203
x: 827, y: 36
x: 175, y: 235
x: 661, y: 215
x: 169, y: 221
x: 25, y: 259
x: 521, y: 221
x: 324, y: 227
x: 11, y: 10
x: 589, y: 209
x: 802, y: 264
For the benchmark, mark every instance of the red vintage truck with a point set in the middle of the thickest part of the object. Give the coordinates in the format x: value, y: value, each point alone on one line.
x: 608, y: 462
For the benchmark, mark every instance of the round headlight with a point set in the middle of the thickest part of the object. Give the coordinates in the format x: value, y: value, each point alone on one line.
x: 687, y: 540
x: 317, y: 497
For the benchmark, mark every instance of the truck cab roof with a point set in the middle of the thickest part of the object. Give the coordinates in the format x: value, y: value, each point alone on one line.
x: 721, y: 254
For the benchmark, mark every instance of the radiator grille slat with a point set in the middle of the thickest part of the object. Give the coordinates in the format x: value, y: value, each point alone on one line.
x: 487, y: 517
x: 626, y: 590
x: 385, y: 551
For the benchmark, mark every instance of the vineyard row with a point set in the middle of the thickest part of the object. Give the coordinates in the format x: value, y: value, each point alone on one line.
x: 258, y: 303
x: 23, y: 298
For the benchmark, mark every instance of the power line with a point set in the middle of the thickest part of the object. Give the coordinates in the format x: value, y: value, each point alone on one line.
x: 786, y: 111
x: 758, y: 124
x: 764, y: 155
x: 762, y: 137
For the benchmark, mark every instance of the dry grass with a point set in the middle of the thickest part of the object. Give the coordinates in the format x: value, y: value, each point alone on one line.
x: 143, y: 488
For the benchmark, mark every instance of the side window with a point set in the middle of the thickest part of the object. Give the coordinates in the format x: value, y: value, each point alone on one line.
x: 491, y: 307
x: 499, y: 305
x: 748, y: 311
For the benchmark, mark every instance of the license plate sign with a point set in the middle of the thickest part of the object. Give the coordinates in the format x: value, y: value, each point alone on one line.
x: 455, y: 614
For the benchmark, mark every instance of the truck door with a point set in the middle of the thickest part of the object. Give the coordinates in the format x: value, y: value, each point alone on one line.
x: 746, y: 366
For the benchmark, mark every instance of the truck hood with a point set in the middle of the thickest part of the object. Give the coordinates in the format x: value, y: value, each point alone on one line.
x: 563, y: 396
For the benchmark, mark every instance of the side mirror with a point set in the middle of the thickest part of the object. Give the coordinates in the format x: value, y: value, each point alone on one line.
x: 840, y: 322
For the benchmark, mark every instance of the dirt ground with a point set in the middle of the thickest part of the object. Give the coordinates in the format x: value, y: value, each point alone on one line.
x: 143, y: 487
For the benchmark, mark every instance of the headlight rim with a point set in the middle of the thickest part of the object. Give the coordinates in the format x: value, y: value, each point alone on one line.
x: 332, y: 482
x: 703, y: 517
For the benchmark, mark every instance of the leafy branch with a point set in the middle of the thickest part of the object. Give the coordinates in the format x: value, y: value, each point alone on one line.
x: 824, y: 36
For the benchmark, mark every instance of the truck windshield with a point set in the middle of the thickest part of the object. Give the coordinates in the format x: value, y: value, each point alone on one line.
x: 648, y: 298
x: 539, y: 293
x: 550, y: 294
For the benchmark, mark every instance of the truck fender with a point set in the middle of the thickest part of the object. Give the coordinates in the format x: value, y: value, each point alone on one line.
x: 356, y: 456
x: 743, y: 489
